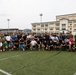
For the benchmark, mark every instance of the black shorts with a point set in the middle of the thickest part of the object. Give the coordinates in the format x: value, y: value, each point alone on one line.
x: 54, y: 43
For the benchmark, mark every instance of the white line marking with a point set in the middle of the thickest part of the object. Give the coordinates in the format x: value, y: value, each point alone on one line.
x: 14, y: 56
x: 5, y: 72
x: 75, y: 73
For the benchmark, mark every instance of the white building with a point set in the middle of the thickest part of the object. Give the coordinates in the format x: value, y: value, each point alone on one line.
x: 63, y: 24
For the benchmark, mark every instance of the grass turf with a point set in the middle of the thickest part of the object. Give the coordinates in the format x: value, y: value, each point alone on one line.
x: 38, y: 62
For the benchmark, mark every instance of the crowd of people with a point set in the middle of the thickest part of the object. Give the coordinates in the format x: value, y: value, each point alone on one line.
x: 45, y: 41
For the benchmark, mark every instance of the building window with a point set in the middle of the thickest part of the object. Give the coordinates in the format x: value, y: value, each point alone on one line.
x: 70, y: 24
x: 63, y: 24
x: 38, y: 29
x: 45, y: 29
x: 57, y: 24
x: 74, y: 24
x: 42, y: 25
x: 51, y: 29
x: 34, y: 25
x: 57, y: 28
x: 51, y: 23
x: 70, y: 28
x: 34, y: 29
x: 63, y: 28
x: 46, y: 25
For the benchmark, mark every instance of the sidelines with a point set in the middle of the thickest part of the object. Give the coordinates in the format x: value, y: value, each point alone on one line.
x: 14, y: 56
x: 5, y: 72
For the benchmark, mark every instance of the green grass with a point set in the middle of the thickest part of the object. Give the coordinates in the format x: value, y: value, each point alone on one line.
x: 63, y: 63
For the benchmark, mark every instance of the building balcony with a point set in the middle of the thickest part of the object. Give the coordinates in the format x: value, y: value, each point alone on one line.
x: 33, y: 28
x: 74, y: 26
x: 33, y: 25
x: 42, y: 27
x: 57, y: 30
x: 51, y: 26
x: 69, y: 26
x: 38, y: 26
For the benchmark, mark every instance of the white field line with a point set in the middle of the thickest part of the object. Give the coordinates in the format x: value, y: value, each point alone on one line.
x: 14, y: 56
x: 75, y: 73
x: 5, y: 72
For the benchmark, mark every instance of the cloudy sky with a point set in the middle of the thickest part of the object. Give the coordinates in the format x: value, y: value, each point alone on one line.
x: 24, y: 12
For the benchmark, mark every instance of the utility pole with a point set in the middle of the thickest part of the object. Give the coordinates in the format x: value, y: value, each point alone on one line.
x: 8, y: 24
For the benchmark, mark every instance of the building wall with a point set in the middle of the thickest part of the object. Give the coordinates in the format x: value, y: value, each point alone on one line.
x: 63, y: 21
x: 69, y: 16
x: 48, y: 27
x: 10, y: 30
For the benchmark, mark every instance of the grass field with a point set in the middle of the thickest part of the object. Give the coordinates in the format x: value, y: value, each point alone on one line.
x: 38, y: 62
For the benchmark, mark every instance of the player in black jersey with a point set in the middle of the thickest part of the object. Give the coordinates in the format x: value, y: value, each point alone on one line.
x: 63, y: 45
x: 50, y: 45
x: 58, y: 45
x: 28, y: 43
x: 44, y: 44
x: 38, y: 43
x: 16, y: 44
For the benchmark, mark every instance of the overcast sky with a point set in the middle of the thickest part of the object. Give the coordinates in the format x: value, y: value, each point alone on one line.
x: 24, y: 12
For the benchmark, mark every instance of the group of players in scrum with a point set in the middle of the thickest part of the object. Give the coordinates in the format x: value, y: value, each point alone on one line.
x: 39, y: 42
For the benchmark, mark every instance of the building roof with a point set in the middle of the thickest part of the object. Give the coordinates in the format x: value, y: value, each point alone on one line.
x: 67, y: 14
x: 10, y: 29
x: 27, y: 29
x: 64, y: 19
x: 45, y: 22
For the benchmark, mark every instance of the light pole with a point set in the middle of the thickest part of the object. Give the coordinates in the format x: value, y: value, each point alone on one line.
x: 41, y: 17
x: 8, y: 24
x: 41, y: 21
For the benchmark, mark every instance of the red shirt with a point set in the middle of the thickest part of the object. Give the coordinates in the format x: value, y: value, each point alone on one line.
x: 71, y: 40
